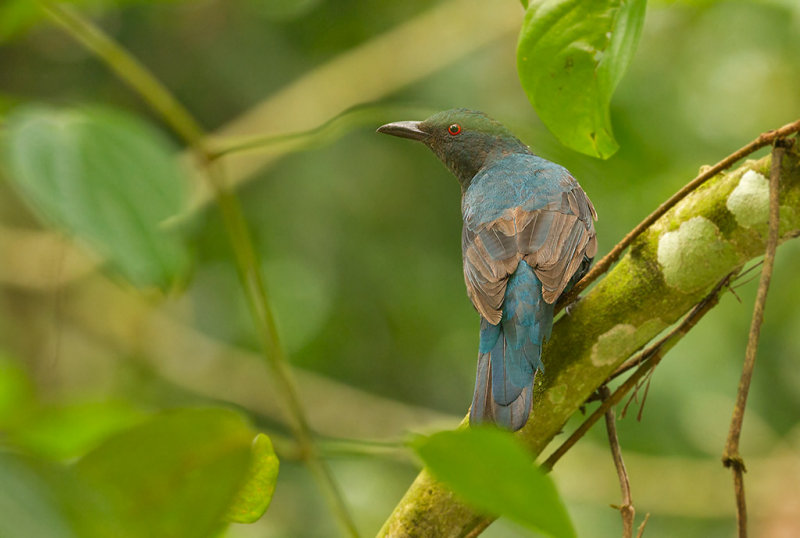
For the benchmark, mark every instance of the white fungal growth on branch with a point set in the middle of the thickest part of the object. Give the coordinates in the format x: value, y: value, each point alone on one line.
x: 695, y: 255
x: 605, y: 350
x: 557, y: 394
x: 621, y: 340
x: 749, y: 201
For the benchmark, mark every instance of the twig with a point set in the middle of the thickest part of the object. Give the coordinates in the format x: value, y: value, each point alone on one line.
x: 635, y: 396
x: 363, y: 113
x: 744, y: 273
x: 157, y: 96
x: 479, y: 528
x: 764, y: 139
x: 626, y: 509
x: 730, y: 456
x: 644, y: 396
x: 647, y: 360
x: 249, y: 270
x: 640, y: 531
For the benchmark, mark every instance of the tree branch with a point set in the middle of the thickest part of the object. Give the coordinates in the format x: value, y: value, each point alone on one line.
x: 764, y: 139
x: 640, y: 531
x: 626, y: 509
x: 667, y: 270
x: 731, y: 457
x: 647, y: 360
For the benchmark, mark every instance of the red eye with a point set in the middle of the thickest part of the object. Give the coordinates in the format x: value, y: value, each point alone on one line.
x: 454, y: 129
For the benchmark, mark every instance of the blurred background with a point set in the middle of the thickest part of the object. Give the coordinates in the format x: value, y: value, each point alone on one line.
x: 359, y: 236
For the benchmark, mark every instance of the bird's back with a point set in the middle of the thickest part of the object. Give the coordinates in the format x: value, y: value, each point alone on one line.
x: 522, y: 181
x: 523, y: 207
x: 527, y: 230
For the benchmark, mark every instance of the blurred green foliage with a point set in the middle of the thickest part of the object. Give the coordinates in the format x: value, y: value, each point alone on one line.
x: 106, y: 178
x: 19, y: 16
x: 174, y: 474
x: 360, y: 242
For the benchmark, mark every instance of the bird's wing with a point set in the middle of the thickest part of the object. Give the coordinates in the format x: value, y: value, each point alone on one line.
x: 556, y: 246
x: 553, y: 239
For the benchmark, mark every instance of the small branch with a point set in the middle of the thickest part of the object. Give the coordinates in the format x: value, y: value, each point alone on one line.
x: 357, y: 115
x: 654, y: 356
x: 737, y: 468
x: 730, y: 456
x: 626, y: 509
x: 635, y: 396
x: 479, y: 528
x: 255, y: 290
x: 647, y: 360
x: 764, y: 139
x: 640, y: 530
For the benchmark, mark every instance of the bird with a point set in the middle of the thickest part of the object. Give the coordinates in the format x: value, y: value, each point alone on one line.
x: 528, y: 236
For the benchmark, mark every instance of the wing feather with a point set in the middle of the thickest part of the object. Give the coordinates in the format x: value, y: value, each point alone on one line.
x: 554, y: 239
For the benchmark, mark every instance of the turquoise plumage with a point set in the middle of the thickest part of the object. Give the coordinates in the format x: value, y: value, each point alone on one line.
x: 528, y: 235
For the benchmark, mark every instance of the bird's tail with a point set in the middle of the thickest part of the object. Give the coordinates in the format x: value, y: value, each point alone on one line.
x: 510, y: 353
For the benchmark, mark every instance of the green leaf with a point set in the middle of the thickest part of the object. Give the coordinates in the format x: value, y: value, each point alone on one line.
x: 175, y: 475
x: 68, y: 431
x: 570, y: 57
x: 489, y: 469
x: 254, y: 497
x: 106, y: 177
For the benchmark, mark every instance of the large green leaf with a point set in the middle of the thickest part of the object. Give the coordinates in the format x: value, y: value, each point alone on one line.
x: 571, y: 55
x: 175, y: 475
x: 489, y: 469
x: 106, y: 177
x: 254, y: 496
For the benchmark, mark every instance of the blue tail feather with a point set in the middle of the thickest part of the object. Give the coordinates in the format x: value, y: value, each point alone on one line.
x: 510, y: 353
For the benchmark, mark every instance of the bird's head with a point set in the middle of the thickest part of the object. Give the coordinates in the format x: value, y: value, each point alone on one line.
x: 464, y: 140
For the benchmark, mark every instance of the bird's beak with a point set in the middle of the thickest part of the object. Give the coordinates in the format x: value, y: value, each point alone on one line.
x: 404, y: 129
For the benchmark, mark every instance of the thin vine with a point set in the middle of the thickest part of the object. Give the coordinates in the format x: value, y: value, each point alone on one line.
x: 730, y: 456
x: 132, y: 72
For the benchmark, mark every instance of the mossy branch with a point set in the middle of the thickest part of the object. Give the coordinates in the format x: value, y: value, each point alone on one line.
x: 668, y: 270
x: 764, y: 139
